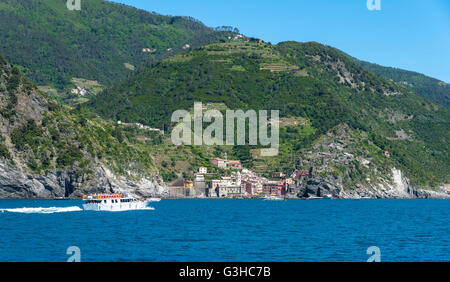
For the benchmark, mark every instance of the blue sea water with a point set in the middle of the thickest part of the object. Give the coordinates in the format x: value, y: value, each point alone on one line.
x: 228, y: 230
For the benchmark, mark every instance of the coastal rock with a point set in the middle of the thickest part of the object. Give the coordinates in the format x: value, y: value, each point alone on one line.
x: 398, y: 187
x: 15, y: 183
x: 320, y: 188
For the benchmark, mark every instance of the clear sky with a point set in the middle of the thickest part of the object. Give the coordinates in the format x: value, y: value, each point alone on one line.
x: 408, y: 34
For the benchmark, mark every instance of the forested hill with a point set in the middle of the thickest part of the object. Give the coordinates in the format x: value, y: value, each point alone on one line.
x: 39, y: 135
x: 103, y: 41
x: 428, y: 87
x: 310, y: 81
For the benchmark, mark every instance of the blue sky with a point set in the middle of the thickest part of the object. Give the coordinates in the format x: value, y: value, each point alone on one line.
x: 408, y: 34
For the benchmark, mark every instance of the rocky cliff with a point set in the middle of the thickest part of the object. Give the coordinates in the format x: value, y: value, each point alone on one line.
x: 343, y: 167
x: 48, y: 150
x: 398, y: 187
x: 15, y: 183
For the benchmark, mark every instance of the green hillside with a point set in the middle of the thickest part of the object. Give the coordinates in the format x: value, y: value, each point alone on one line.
x: 305, y: 80
x: 103, y: 42
x: 428, y: 87
x: 40, y: 136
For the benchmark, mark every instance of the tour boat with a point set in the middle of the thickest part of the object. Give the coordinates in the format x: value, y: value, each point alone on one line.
x: 113, y: 202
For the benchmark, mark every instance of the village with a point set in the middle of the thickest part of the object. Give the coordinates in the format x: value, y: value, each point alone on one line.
x: 238, y: 183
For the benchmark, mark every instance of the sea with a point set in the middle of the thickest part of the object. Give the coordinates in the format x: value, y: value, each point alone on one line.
x: 230, y: 230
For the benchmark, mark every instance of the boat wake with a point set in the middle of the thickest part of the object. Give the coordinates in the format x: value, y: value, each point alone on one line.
x: 43, y: 210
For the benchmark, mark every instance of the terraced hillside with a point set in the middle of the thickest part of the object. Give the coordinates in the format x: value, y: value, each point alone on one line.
x: 303, y: 80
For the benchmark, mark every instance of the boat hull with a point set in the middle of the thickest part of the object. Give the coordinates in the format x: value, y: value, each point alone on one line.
x: 116, y: 206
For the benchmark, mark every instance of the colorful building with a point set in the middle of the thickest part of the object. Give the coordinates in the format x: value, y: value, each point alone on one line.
x: 275, y: 187
x: 221, y: 163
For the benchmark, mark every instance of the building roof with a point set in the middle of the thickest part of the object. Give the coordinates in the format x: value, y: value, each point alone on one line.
x: 302, y: 172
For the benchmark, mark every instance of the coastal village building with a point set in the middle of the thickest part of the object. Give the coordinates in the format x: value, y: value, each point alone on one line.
x: 234, y: 164
x: 252, y: 183
x: 244, y: 182
x: 252, y: 187
x: 221, y: 163
x: 79, y: 90
x: 180, y: 188
x: 230, y: 191
x: 201, y: 189
x: 202, y: 170
x: 275, y: 187
x: 149, y: 50
x: 278, y: 175
x: 238, y: 37
x: 188, y: 184
x: 301, y: 173
x: 214, y: 184
x: 141, y: 126
x: 227, y: 186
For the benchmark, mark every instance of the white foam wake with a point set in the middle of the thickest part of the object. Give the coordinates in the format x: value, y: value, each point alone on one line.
x: 132, y: 209
x: 43, y: 210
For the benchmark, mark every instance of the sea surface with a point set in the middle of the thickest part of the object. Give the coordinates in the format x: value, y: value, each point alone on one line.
x: 228, y: 230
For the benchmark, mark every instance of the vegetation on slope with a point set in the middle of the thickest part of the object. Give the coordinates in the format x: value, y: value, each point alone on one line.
x: 307, y: 80
x: 428, y: 87
x: 51, y: 44
x: 39, y: 135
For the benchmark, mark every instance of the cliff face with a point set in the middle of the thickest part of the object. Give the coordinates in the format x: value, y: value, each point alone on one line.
x: 48, y: 150
x: 15, y: 183
x: 343, y: 167
x: 398, y: 187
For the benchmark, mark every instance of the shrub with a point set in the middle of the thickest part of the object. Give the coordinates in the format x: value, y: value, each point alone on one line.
x: 29, y: 134
x: 69, y: 156
x: 4, y: 153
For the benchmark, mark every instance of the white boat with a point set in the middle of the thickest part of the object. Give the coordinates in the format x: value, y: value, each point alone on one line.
x: 113, y: 202
x: 272, y: 198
